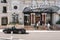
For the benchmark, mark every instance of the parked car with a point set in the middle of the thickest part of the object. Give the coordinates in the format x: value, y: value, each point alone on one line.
x: 14, y: 30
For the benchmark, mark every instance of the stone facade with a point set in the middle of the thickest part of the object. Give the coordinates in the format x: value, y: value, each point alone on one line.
x: 21, y: 4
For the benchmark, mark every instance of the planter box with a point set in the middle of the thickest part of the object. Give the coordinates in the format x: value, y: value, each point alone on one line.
x: 58, y: 25
x: 17, y: 26
x: 9, y: 26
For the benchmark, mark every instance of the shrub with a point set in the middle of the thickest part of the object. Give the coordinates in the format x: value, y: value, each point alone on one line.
x: 58, y: 22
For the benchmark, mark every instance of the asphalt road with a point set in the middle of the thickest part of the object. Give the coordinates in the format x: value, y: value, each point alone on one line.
x: 33, y: 35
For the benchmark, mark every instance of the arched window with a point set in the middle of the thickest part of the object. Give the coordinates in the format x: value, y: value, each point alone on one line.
x: 15, y: 7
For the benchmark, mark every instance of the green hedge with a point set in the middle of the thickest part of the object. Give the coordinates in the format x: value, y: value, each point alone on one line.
x: 58, y: 22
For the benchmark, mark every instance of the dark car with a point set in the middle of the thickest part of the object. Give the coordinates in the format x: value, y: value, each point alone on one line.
x: 14, y: 30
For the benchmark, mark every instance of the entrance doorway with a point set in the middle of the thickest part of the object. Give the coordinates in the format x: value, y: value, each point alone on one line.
x: 26, y: 19
x: 44, y: 15
x: 4, y: 21
x: 31, y: 18
x: 48, y: 18
x: 37, y: 17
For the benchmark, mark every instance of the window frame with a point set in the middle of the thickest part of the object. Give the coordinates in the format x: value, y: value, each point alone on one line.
x: 4, y: 9
x: 3, y: 1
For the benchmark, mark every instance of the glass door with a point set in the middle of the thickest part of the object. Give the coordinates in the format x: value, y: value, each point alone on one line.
x: 26, y: 19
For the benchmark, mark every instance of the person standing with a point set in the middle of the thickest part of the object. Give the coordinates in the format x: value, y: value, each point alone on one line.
x: 37, y: 25
x: 48, y: 26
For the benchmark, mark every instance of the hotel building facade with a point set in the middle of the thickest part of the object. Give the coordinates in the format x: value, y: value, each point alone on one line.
x: 29, y: 12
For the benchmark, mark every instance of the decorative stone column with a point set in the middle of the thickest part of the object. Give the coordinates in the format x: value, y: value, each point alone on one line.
x: 51, y: 18
x: 9, y: 20
x: 45, y: 18
x: 32, y: 18
x: 41, y: 19
x: 0, y: 21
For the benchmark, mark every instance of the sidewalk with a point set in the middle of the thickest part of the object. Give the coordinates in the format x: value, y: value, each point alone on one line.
x: 32, y: 27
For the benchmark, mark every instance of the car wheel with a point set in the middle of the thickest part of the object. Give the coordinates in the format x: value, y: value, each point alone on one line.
x: 19, y: 32
x: 5, y: 31
x: 23, y: 31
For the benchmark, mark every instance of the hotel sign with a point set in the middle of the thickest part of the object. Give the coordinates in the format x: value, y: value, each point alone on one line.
x: 36, y: 10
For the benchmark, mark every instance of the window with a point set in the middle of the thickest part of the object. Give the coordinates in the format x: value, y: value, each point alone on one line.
x: 59, y: 16
x: 15, y: 7
x: 15, y: 18
x: 4, y: 21
x: 3, y: 1
x: 4, y: 10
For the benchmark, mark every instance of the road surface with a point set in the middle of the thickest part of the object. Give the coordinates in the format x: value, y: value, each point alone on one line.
x: 34, y: 35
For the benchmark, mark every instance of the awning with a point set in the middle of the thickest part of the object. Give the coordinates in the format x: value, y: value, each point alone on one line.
x: 27, y: 9
x: 58, y: 12
x: 55, y: 8
x: 26, y: 15
x: 52, y: 9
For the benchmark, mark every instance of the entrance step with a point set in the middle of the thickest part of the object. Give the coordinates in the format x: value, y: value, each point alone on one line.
x: 29, y: 27
x: 33, y: 28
